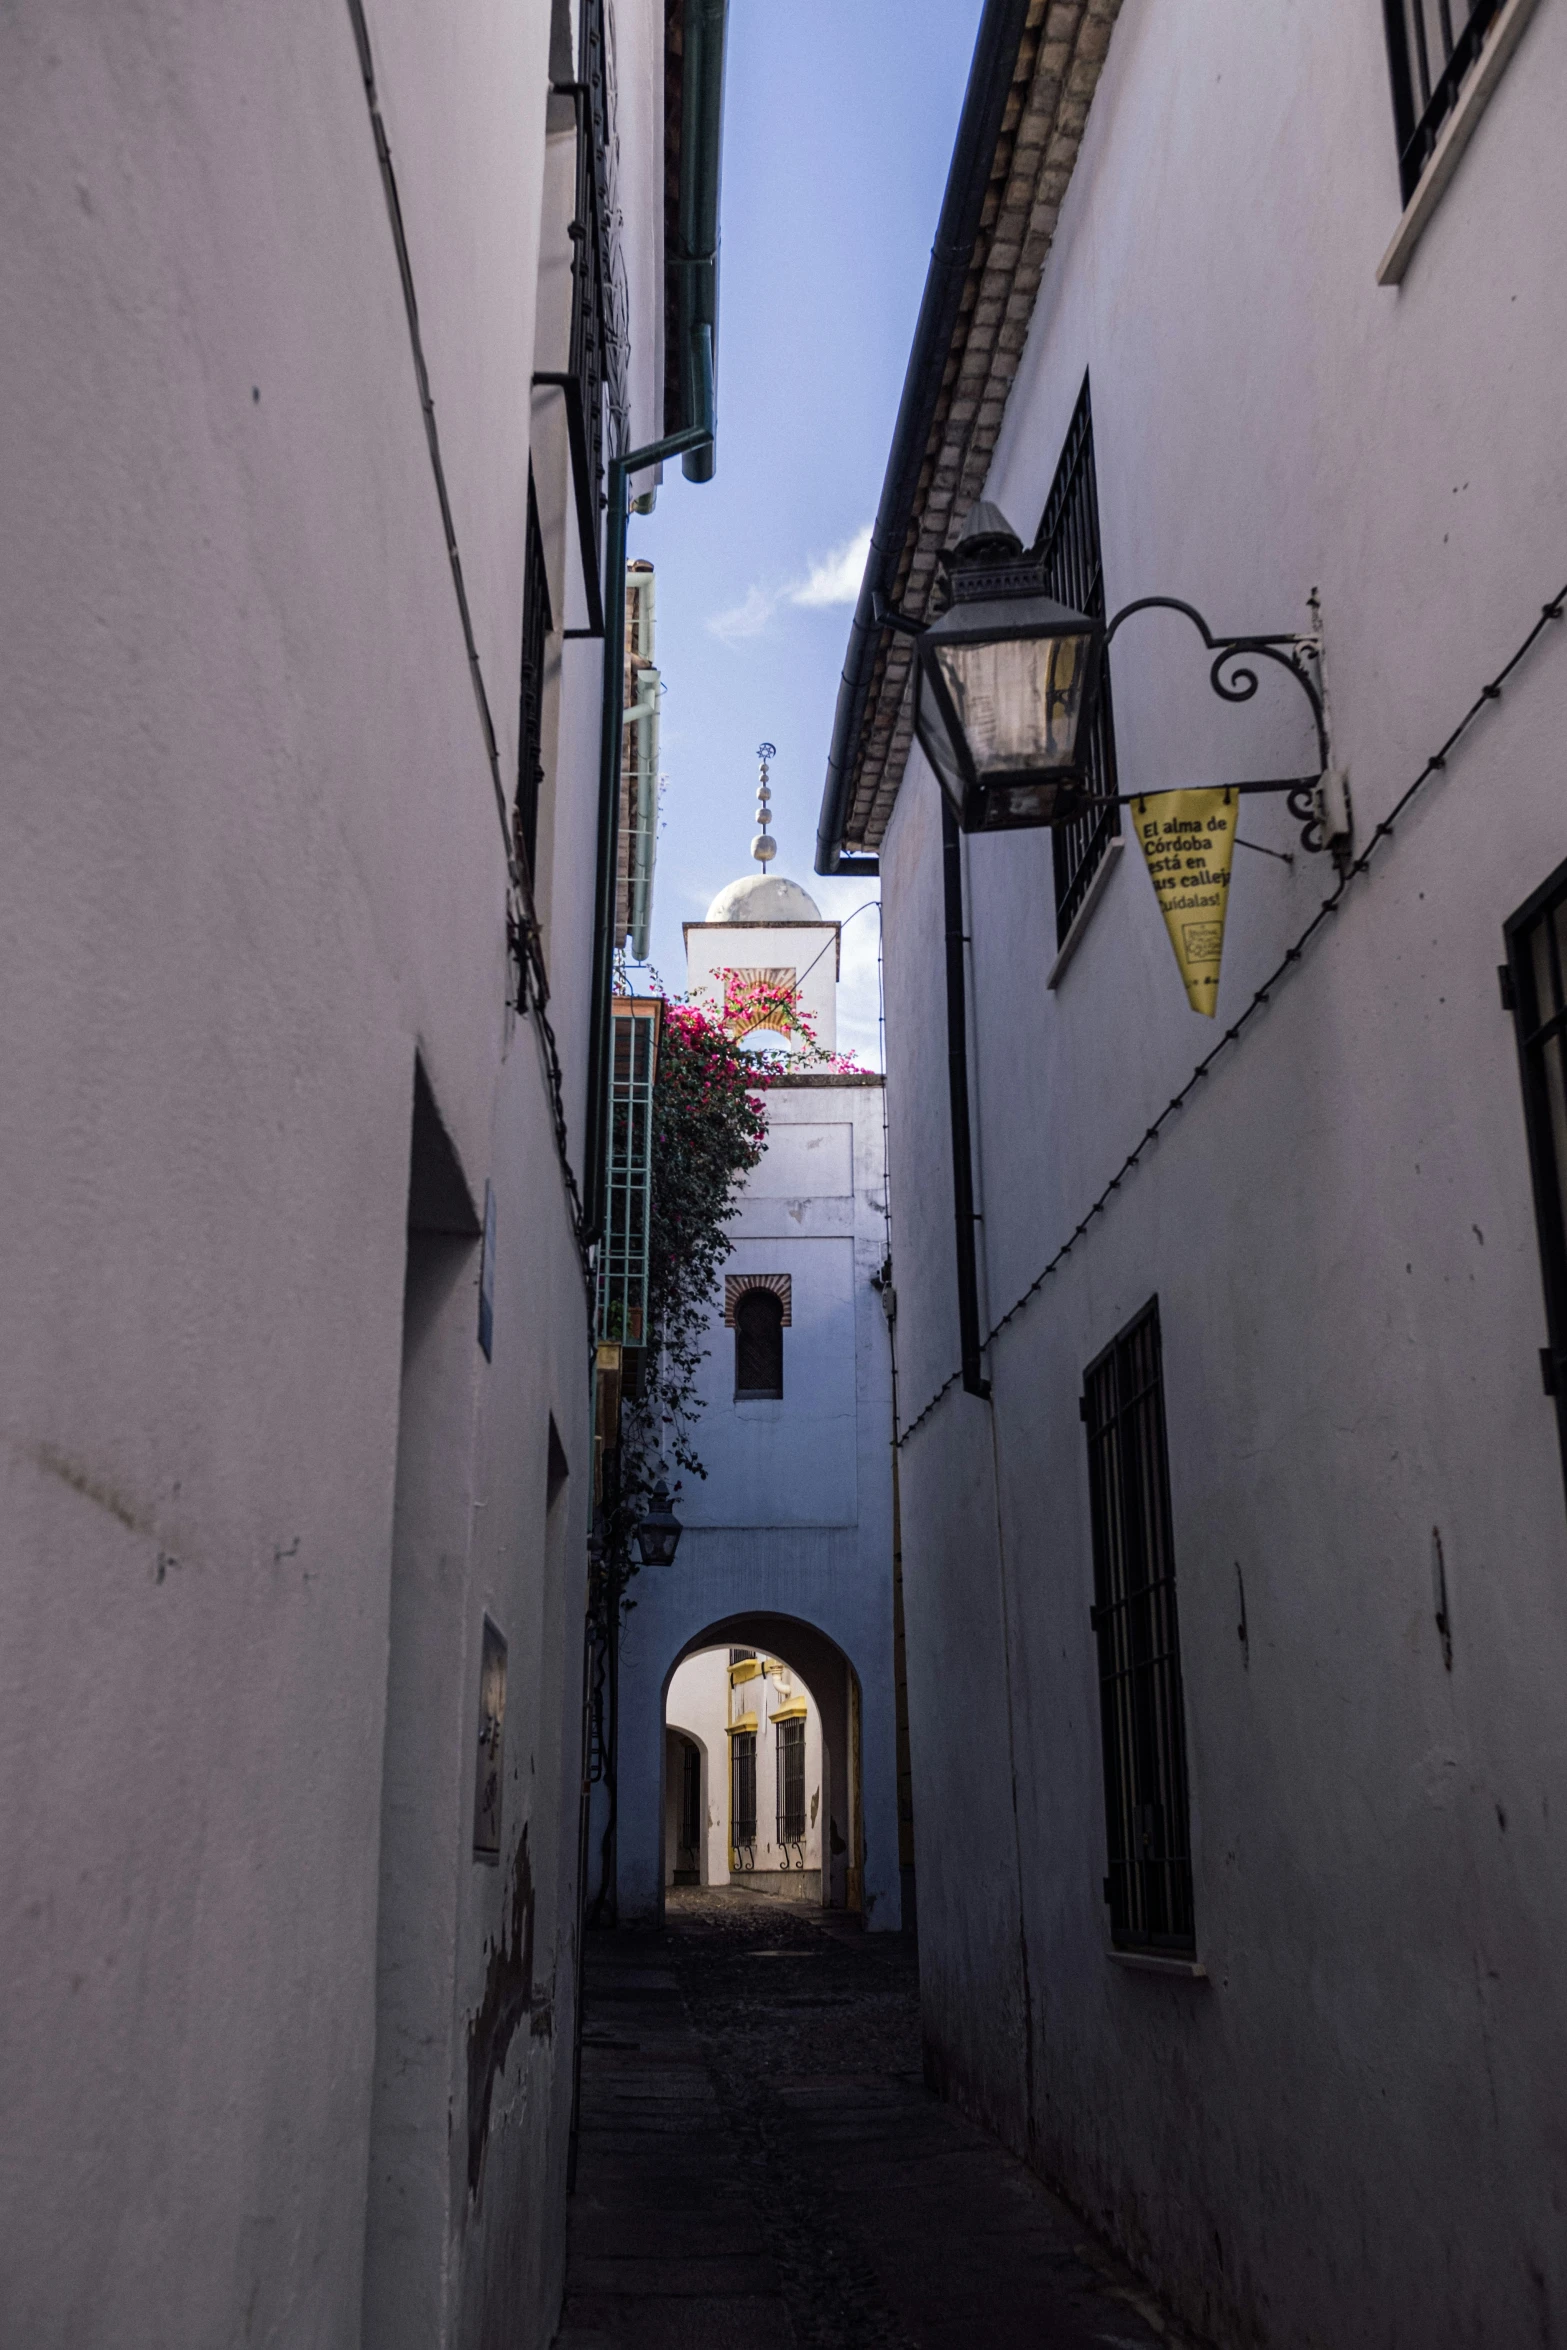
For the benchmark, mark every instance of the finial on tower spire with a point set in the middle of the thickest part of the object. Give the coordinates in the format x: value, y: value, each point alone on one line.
x: 764, y: 848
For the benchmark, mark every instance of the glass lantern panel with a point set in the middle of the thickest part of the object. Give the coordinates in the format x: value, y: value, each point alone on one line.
x: 1019, y: 701
x: 934, y: 742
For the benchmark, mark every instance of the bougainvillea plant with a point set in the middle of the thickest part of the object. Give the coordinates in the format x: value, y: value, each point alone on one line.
x: 709, y: 1131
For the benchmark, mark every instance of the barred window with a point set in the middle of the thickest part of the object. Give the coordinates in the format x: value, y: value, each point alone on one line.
x: 537, y: 623
x: 742, y: 1787
x: 791, y: 1781
x: 1149, y: 1887
x: 759, y: 1344
x: 1536, y: 983
x: 690, y: 1797
x: 1432, y: 47
x: 1067, y: 544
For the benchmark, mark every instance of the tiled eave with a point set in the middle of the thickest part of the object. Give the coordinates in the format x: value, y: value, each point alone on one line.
x: 1059, y: 62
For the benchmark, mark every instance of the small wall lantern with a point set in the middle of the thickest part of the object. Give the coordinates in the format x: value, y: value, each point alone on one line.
x: 656, y: 1537
x: 1007, y: 680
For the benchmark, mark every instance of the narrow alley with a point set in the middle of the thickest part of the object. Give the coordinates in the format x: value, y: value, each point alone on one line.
x: 760, y: 2160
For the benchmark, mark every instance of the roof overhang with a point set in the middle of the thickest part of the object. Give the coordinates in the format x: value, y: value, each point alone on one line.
x: 1036, y: 67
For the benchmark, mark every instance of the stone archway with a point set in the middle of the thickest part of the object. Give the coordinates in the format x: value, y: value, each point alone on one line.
x: 830, y: 1676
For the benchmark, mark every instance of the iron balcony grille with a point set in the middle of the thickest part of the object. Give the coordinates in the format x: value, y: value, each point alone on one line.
x: 1432, y: 46
x: 536, y: 625
x: 791, y: 1782
x: 742, y: 1792
x: 628, y: 1181
x: 1149, y: 1886
x: 1067, y: 544
x: 1537, y: 961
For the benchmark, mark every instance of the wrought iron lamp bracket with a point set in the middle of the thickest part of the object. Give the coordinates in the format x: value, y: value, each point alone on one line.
x: 1318, y: 803
x: 1298, y: 657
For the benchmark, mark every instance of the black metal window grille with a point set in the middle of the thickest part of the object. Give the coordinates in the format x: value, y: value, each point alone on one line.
x: 537, y: 623
x: 742, y: 1656
x: 791, y: 1781
x: 1067, y: 543
x: 628, y: 1175
x: 590, y: 269
x: 742, y: 1787
x: 1432, y: 46
x: 759, y: 1344
x: 1149, y: 1887
x: 690, y: 1797
x: 1537, y: 961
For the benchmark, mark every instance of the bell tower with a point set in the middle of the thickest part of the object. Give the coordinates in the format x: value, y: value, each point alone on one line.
x: 764, y: 925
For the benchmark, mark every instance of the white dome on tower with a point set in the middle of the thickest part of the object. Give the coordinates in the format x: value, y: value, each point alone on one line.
x: 757, y: 897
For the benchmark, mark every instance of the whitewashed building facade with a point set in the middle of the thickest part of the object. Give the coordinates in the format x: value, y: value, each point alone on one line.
x: 788, y: 1542
x: 1236, y: 1567
x: 325, y: 329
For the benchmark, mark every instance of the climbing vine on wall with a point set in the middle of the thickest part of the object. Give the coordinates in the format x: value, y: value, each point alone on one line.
x: 709, y: 1131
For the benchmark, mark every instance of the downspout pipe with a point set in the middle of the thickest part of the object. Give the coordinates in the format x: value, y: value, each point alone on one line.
x: 984, y: 105
x: 974, y: 1380
x: 694, y: 266
x: 696, y: 257
x: 695, y: 437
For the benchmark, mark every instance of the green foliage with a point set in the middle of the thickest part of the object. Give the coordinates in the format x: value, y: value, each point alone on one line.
x: 709, y: 1129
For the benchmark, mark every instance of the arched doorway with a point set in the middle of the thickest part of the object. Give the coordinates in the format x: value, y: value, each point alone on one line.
x: 686, y: 1803
x: 782, y: 1808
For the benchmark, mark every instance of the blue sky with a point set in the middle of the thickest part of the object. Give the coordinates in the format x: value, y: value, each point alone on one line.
x: 838, y: 126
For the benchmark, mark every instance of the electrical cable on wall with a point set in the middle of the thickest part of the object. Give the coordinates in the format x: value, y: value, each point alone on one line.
x: 1292, y: 955
x: 523, y: 924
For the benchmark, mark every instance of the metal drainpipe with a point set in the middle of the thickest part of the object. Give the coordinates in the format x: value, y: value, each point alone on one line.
x: 974, y: 1380
x: 695, y: 436
x: 643, y: 715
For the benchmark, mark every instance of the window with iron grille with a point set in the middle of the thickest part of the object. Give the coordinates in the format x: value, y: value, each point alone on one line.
x: 1537, y: 969
x: 536, y: 625
x: 1149, y: 1887
x: 759, y: 1344
x: 1432, y: 46
x: 742, y: 1787
x: 628, y: 1174
x: 1067, y: 544
x: 690, y: 1797
x: 791, y: 1781
x: 590, y: 264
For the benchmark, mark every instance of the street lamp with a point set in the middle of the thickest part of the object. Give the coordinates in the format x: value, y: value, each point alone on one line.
x: 1007, y: 681
x: 657, y: 1535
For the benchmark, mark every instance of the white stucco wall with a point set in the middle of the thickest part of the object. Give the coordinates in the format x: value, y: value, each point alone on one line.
x: 1349, y: 2130
x: 254, y: 865
x: 793, y: 1523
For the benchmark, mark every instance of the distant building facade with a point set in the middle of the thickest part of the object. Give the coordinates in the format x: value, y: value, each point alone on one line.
x: 327, y: 331
x: 1237, y: 1571
x: 788, y: 1547
x: 743, y: 1776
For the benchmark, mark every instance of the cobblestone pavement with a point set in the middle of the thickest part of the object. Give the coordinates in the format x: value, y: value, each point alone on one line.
x: 760, y: 2162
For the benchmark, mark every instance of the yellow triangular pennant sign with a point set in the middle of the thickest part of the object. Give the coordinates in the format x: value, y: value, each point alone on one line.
x: 1188, y: 838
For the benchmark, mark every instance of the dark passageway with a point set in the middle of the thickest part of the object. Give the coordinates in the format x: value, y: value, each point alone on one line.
x: 761, y: 2162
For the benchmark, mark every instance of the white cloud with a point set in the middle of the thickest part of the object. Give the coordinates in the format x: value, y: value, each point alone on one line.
x: 747, y: 619
x: 836, y: 578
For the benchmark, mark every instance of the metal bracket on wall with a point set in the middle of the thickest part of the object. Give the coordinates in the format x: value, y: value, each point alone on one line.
x: 557, y: 380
